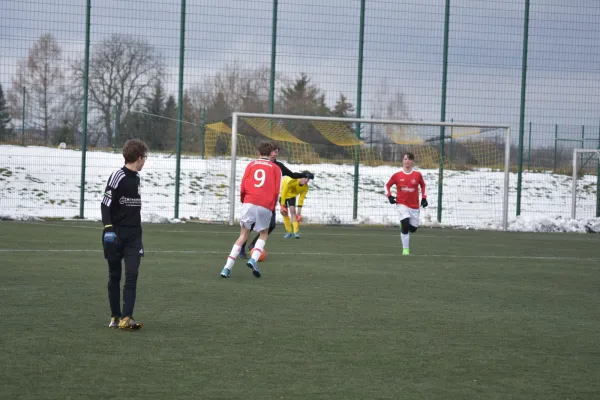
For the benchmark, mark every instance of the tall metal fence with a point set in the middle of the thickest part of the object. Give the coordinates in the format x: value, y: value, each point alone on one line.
x: 92, y: 74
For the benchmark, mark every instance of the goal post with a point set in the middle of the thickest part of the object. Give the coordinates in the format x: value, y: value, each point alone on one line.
x: 586, y: 164
x: 471, y: 155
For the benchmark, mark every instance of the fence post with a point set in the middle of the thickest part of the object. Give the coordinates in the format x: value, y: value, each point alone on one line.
x: 555, y: 145
x: 522, y: 108
x: 86, y: 74
x: 371, y: 136
x: 180, y: 106
x: 529, y: 149
x: 273, y: 58
x: 203, y: 131
x: 583, y: 136
x: 443, y: 111
x: 598, y: 180
x: 23, y: 119
x: 116, y: 128
x: 451, y: 141
x: 361, y: 42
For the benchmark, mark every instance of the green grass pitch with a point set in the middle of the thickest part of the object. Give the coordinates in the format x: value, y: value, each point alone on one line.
x: 338, y: 314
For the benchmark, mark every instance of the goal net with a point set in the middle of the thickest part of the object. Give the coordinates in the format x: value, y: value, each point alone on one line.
x: 465, y: 166
x: 585, y: 199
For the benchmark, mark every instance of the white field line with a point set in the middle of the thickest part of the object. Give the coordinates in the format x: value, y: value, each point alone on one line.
x: 320, y: 254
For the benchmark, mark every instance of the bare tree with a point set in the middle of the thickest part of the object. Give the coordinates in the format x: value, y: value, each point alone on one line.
x: 122, y: 71
x: 234, y: 88
x: 40, y: 77
x: 391, y: 106
x: 70, y: 117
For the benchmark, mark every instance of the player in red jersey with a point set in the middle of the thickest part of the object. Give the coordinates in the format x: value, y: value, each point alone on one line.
x: 259, y: 192
x: 407, y: 182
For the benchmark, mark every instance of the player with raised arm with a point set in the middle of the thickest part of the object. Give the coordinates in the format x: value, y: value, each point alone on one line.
x: 407, y: 182
x: 285, y: 171
x: 292, y: 213
x: 258, y: 192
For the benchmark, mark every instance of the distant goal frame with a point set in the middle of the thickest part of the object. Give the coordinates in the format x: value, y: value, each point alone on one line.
x: 234, y: 133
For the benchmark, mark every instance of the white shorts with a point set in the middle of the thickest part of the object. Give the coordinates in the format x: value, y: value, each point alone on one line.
x: 257, y: 215
x: 411, y: 213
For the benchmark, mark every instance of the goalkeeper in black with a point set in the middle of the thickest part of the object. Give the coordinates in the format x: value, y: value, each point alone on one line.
x: 285, y: 171
x: 122, y: 233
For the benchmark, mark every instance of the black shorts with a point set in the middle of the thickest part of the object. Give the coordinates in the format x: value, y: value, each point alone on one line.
x: 128, y: 243
x: 289, y: 202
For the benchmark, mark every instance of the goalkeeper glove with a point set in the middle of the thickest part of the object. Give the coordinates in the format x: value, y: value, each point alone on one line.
x: 109, y: 235
x: 283, y: 210
x: 424, y: 202
x: 309, y: 175
x: 392, y: 199
x: 111, y: 244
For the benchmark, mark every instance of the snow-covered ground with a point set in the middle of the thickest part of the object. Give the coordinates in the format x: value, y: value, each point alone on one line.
x: 38, y: 182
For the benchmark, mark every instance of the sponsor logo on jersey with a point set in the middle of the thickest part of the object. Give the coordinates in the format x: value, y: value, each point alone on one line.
x: 407, y: 189
x: 130, y: 202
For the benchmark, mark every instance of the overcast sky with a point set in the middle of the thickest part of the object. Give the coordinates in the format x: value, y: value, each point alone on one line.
x: 403, y: 49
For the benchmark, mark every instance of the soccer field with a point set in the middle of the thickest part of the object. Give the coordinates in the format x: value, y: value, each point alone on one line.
x: 337, y: 314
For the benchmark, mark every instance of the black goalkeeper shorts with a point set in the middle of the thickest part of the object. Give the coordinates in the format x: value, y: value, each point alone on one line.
x: 128, y: 243
x: 289, y: 202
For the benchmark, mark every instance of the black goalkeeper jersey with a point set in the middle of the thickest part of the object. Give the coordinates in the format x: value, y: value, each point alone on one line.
x: 122, y: 202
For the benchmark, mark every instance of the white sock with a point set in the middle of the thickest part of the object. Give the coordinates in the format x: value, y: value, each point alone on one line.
x: 405, y: 240
x: 235, y: 251
x: 258, y: 248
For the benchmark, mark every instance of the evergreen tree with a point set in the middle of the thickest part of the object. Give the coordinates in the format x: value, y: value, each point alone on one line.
x: 190, y: 128
x: 342, y: 108
x: 170, y: 112
x: 155, y: 134
x: 304, y: 98
x: 65, y: 134
x: 252, y: 101
x: 5, y: 118
x: 218, y: 110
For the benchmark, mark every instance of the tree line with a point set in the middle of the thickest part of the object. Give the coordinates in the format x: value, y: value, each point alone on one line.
x: 127, y: 96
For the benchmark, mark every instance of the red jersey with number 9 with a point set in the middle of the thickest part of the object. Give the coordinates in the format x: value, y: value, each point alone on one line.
x: 260, y: 184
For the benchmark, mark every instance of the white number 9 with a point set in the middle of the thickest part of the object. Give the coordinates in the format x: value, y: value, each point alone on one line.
x: 259, y: 176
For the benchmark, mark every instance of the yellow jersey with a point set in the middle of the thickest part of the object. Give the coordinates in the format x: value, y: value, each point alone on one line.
x: 292, y: 188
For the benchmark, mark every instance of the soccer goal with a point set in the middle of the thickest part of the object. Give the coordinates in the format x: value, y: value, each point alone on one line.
x: 585, y: 199
x: 465, y: 166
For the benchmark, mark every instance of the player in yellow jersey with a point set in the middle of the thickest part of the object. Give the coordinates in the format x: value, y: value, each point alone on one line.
x: 292, y: 213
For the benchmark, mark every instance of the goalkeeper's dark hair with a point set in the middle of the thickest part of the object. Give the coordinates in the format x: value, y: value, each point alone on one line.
x: 276, y: 145
x: 308, y: 174
x: 134, y: 149
x: 266, y: 148
x: 410, y: 156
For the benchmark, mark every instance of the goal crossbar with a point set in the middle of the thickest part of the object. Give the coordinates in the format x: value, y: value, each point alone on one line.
x: 576, y: 152
x: 237, y: 115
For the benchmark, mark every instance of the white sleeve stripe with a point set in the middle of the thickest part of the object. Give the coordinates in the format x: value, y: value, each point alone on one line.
x: 111, y: 177
x: 106, y: 201
x: 115, y: 178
